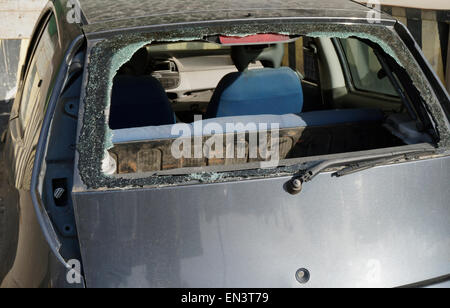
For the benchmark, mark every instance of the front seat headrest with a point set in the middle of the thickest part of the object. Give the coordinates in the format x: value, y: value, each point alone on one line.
x: 269, y: 55
x: 255, y: 92
x: 139, y: 102
x: 137, y: 65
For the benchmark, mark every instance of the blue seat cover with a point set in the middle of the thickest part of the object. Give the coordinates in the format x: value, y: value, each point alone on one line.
x: 254, y: 92
x: 307, y: 119
x: 138, y: 102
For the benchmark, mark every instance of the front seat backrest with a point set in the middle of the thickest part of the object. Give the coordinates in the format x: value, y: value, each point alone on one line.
x: 138, y: 102
x: 274, y: 91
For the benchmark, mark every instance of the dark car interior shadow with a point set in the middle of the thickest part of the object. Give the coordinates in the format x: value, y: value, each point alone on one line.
x: 5, y: 107
x: 9, y: 213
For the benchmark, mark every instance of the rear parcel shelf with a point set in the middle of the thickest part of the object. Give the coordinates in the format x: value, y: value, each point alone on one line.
x: 148, y: 149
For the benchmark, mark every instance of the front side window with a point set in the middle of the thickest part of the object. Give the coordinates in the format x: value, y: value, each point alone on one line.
x: 39, y: 73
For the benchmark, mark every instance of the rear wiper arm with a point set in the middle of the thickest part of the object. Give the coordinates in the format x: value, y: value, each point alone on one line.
x: 353, y: 165
x: 361, y: 166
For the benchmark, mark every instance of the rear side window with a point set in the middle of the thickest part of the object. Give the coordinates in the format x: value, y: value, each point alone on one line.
x: 365, y: 69
x: 39, y: 73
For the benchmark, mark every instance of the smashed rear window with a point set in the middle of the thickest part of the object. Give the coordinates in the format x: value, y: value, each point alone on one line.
x: 221, y: 102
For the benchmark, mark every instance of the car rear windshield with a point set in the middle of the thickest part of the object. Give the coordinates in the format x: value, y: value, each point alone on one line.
x: 192, y: 104
x: 221, y: 103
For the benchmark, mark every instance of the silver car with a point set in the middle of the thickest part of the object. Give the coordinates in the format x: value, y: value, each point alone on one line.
x: 257, y: 144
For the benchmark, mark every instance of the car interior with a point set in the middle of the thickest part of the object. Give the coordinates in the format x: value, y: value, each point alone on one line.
x: 328, y: 96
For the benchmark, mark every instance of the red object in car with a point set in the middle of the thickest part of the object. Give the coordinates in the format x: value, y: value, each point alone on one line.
x: 254, y: 39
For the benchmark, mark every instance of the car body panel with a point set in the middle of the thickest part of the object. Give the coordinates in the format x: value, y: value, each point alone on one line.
x: 124, y: 13
x: 376, y: 228
x: 384, y: 227
x: 44, y: 269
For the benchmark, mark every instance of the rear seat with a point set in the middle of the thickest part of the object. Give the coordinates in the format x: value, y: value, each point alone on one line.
x: 306, y: 119
x: 341, y: 116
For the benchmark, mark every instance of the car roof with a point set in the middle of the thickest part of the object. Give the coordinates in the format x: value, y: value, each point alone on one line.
x: 106, y: 15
